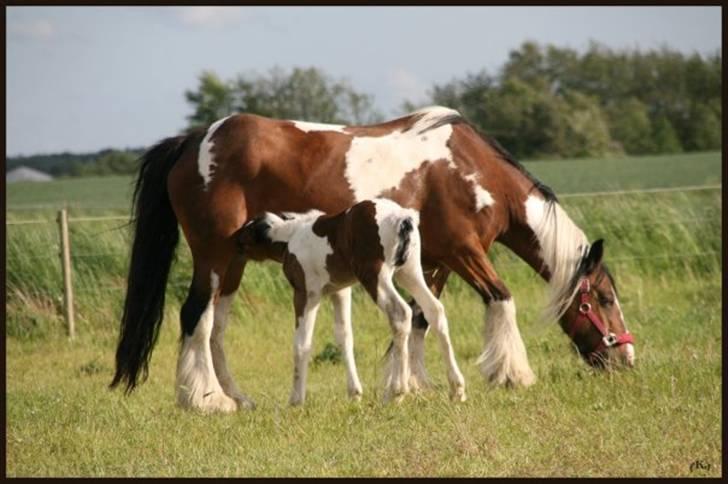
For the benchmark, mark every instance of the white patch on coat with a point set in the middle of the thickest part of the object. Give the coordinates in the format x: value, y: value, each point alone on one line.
x: 504, y: 358
x: 377, y: 163
x: 562, y: 246
x: 205, y: 160
x: 310, y: 249
x: 306, y: 127
x: 481, y: 196
x: 197, y: 383
x: 389, y: 215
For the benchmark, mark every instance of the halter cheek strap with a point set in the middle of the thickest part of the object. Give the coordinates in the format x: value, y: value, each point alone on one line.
x: 586, y: 312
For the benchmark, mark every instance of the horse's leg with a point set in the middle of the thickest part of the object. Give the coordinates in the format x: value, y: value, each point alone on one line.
x: 418, y: 374
x: 222, y: 309
x: 345, y: 339
x: 306, y: 305
x: 400, y: 320
x: 504, y: 359
x: 197, y: 384
x: 410, y: 277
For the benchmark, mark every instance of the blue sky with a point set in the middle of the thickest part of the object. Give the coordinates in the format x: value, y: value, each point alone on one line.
x: 86, y: 78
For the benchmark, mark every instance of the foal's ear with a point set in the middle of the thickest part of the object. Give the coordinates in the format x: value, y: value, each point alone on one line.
x: 594, y: 257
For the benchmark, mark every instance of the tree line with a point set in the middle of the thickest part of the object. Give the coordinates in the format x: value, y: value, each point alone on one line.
x: 545, y: 102
x: 549, y: 101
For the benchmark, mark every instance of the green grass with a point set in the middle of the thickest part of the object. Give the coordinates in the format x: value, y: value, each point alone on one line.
x: 664, y: 250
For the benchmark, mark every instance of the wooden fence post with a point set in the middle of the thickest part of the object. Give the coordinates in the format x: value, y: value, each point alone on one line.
x: 66, y: 264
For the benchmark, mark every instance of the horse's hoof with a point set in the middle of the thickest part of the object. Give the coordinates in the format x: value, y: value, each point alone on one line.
x: 521, y: 379
x: 218, y: 402
x: 244, y: 402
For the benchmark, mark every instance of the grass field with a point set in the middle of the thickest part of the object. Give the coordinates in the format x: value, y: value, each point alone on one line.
x: 657, y: 420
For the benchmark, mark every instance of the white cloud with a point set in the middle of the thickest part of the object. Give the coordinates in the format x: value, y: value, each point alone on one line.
x: 33, y: 29
x: 406, y: 85
x: 209, y: 16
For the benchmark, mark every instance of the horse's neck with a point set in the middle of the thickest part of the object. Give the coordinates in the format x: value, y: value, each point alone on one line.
x: 545, y: 237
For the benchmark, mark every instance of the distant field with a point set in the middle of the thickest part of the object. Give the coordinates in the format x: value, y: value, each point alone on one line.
x: 664, y: 250
x: 108, y: 192
x: 564, y: 176
x: 591, y: 175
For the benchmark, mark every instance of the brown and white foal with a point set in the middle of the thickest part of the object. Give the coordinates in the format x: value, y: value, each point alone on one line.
x: 373, y: 242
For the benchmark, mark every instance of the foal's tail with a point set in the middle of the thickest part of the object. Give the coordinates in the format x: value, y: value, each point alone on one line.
x: 155, y: 240
x: 404, y: 235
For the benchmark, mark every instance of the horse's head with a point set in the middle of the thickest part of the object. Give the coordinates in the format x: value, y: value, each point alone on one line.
x: 594, y: 320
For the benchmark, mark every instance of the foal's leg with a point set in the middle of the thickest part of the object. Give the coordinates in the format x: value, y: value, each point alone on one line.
x: 400, y: 320
x: 504, y: 359
x: 197, y: 384
x: 345, y: 339
x: 306, y: 306
x: 418, y: 377
x: 410, y: 277
x: 222, y: 309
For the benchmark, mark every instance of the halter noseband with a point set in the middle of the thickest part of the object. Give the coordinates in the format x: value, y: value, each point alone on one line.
x: 585, y: 311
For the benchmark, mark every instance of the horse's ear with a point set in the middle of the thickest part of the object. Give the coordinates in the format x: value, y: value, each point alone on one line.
x: 594, y: 257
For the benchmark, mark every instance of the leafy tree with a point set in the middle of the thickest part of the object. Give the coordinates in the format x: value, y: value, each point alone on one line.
x: 665, y: 137
x: 552, y: 101
x: 587, y: 132
x: 304, y: 94
x: 704, y: 132
x: 212, y: 100
x: 630, y: 125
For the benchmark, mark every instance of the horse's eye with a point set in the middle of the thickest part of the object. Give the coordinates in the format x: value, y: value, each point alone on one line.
x: 603, y: 301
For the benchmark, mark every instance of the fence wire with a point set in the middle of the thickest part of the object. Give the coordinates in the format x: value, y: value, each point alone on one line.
x: 508, y: 260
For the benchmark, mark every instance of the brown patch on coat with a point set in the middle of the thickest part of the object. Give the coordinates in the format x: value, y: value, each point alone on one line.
x: 357, y: 250
x: 297, y: 279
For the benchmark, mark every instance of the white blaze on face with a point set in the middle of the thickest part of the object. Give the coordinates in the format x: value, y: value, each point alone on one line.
x: 205, y: 160
x: 377, y: 163
x: 481, y: 196
x: 306, y: 126
x: 628, y: 348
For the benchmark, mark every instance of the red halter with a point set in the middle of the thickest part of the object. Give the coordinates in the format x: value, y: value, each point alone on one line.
x: 585, y: 311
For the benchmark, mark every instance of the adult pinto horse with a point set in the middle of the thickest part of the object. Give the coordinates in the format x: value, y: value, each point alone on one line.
x: 469, y: 191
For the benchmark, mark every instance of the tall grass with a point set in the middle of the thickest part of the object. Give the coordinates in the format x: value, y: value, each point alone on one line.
x: 647, y: 235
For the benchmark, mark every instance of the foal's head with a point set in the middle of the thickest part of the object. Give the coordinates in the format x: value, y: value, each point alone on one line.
x: 254, y: 242
x: 594, y: 320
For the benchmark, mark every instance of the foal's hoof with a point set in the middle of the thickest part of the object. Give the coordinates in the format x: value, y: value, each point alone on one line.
x: 458, y: 394
x: 419, y: 383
